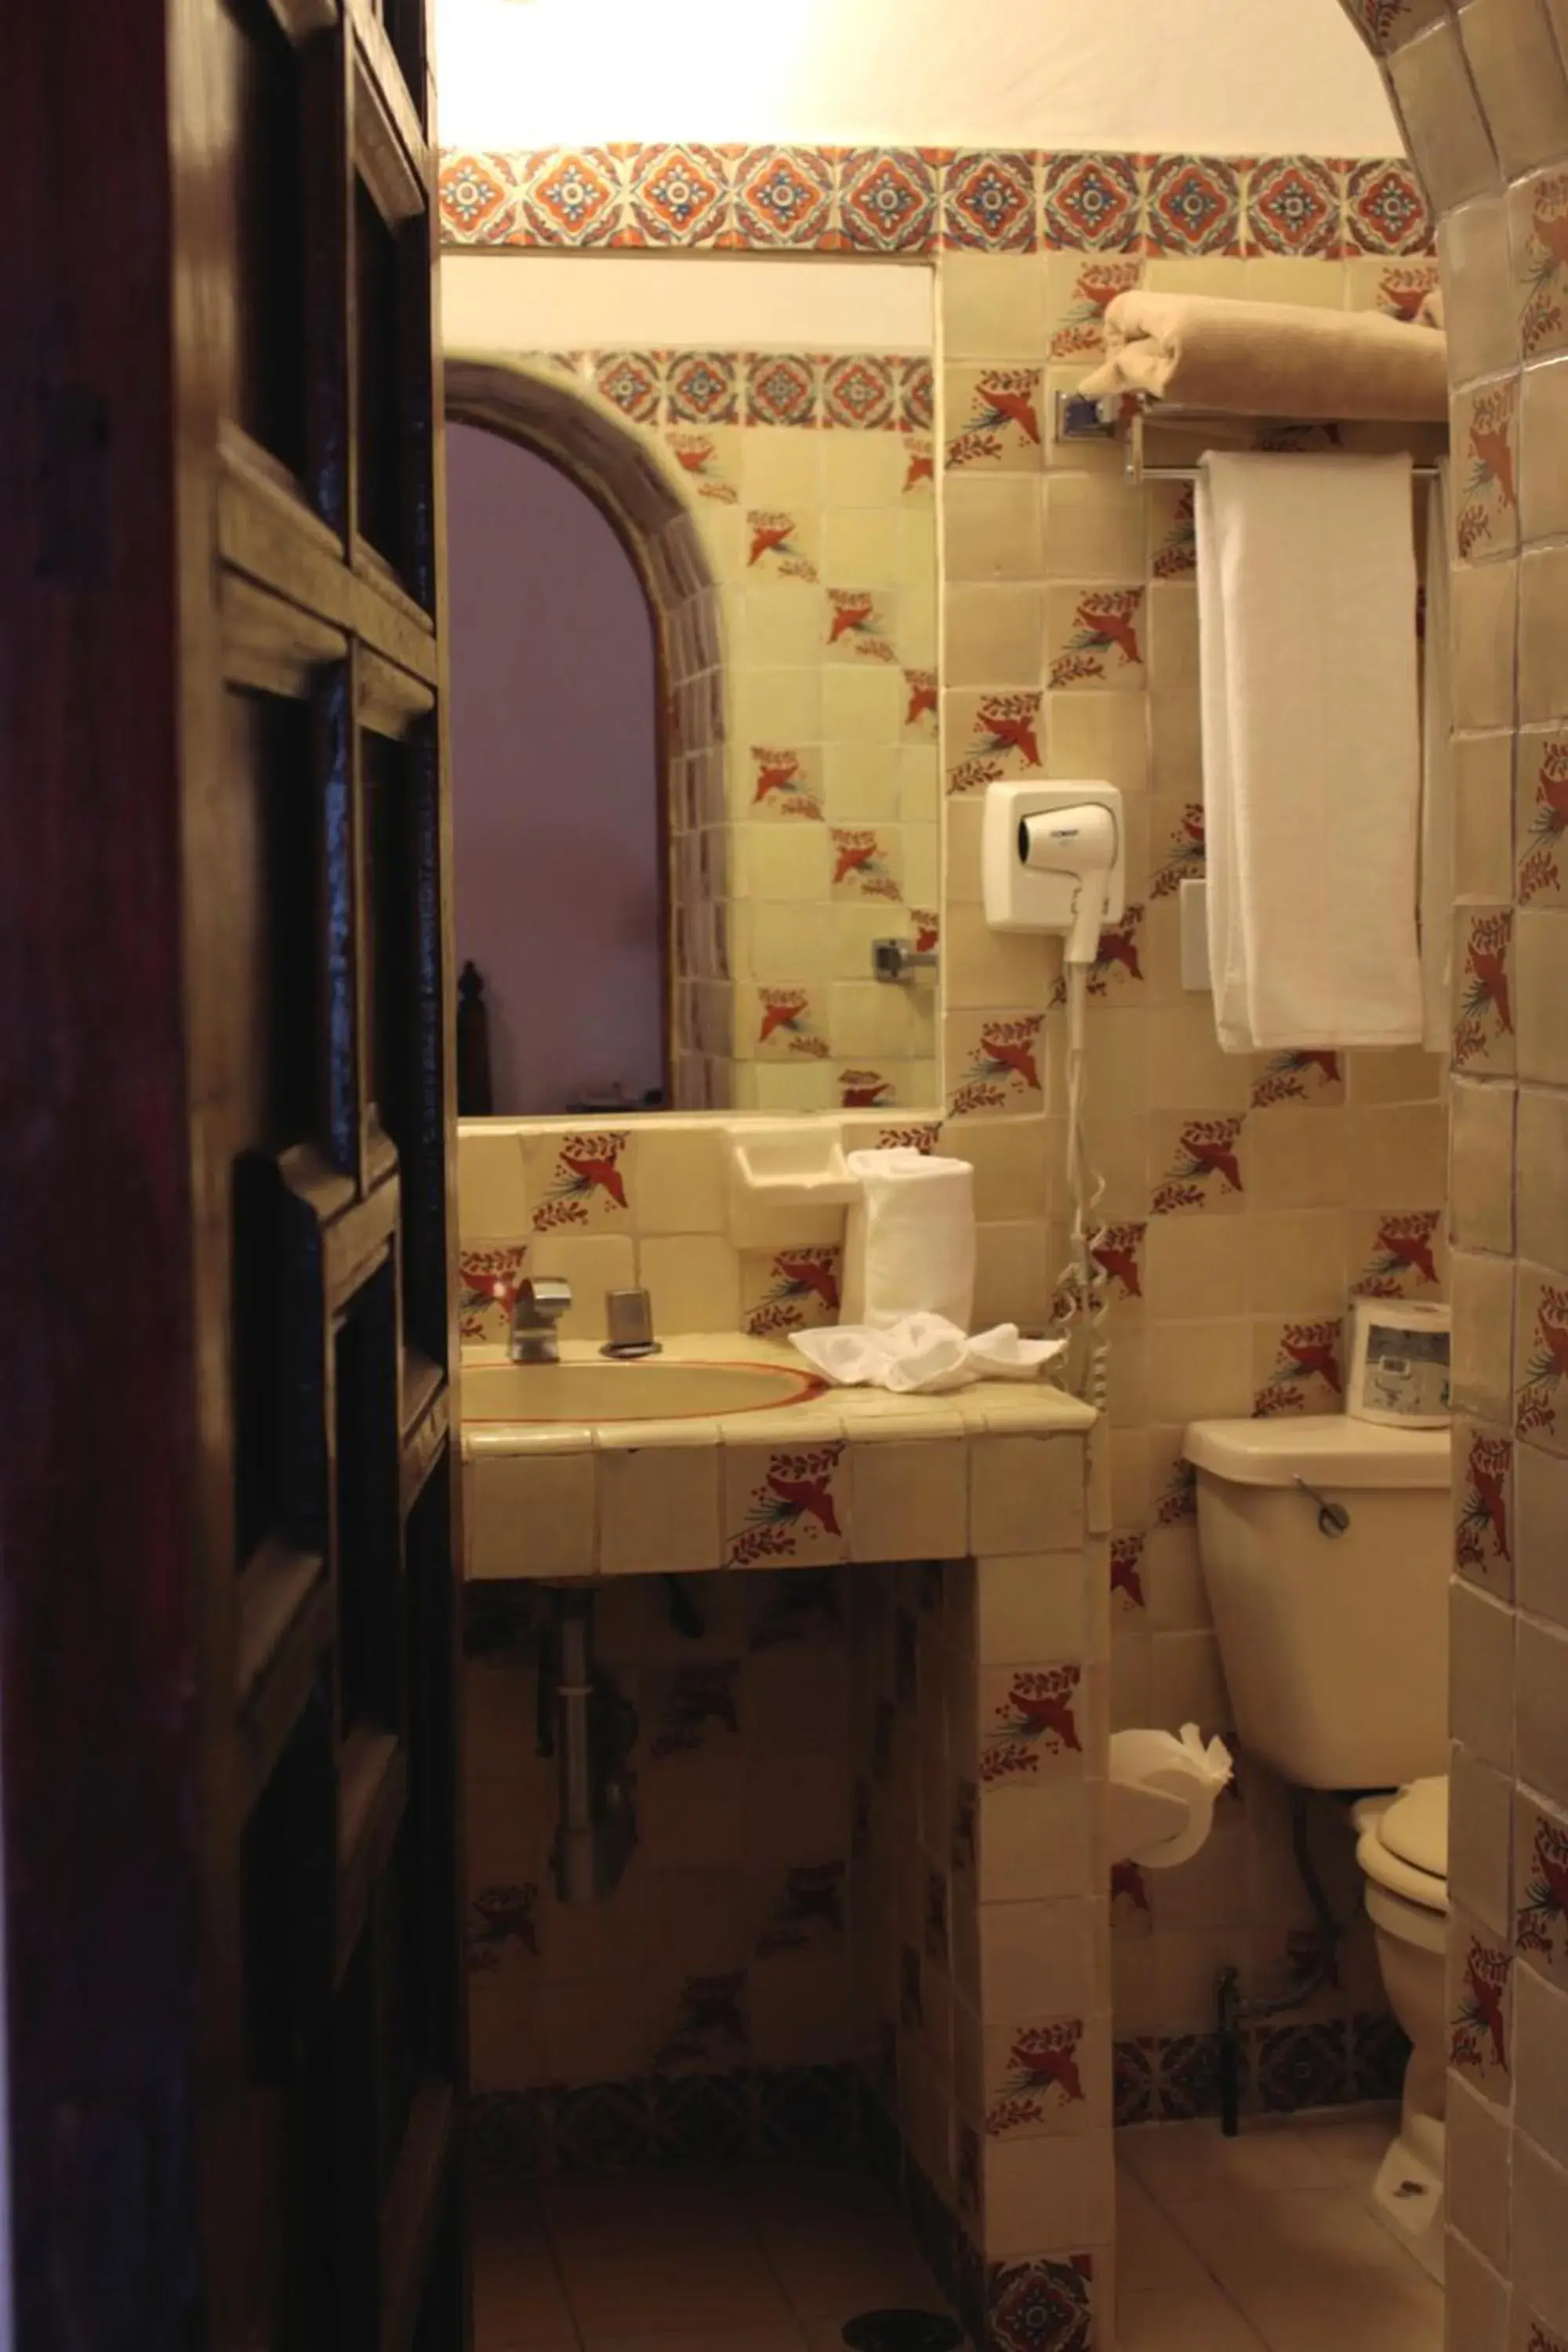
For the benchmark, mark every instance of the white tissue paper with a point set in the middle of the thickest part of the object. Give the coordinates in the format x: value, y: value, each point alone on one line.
x: 1162, y: 1790
x: 909, y: 1246
x: 922, y: 1354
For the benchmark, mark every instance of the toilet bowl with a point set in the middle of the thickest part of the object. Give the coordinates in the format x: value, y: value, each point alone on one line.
x: 1402, y: 1847
x: 1325, y: 1547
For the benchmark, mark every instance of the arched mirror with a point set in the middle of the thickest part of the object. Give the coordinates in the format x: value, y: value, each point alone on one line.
x: 694, y: 736
x: 555, y: 740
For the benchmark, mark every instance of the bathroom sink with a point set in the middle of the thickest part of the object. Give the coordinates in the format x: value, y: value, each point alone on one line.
x: 656, y: 1388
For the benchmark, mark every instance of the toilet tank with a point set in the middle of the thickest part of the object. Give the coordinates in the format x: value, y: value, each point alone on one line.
x: 1335, y: 1646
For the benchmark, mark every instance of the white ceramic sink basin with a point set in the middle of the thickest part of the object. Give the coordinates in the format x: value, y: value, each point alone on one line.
x: 656, y: 1388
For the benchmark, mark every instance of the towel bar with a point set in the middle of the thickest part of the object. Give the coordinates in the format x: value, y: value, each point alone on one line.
x: 1079, y: 418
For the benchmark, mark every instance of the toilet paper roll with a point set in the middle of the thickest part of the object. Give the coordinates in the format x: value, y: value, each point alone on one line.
x: 908, y: 1248
x: 1163, y: 1792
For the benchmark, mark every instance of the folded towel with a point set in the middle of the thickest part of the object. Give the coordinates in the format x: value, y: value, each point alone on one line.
x: 1436, y: 783
x: 1271, y: 359
x: 922, y: 1354
x: 1311, y: 748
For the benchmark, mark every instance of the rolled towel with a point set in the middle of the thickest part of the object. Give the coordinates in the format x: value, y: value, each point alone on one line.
x: 1271, y: 359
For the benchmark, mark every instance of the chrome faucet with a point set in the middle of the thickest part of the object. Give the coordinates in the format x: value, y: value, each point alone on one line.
x: 542, y: 1301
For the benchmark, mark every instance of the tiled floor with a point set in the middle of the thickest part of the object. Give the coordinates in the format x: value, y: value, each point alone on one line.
x: 759, y: 2258
x: 1264, y: 2244
x: 1258, y: 2244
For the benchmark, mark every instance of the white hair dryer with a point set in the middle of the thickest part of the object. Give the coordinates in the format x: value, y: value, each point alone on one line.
x: 1053, y: 858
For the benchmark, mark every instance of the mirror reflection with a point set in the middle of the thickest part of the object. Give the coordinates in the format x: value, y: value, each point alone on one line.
x: 693, y: 631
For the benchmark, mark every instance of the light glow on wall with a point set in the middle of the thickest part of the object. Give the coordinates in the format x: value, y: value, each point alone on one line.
x: 1221, y: 75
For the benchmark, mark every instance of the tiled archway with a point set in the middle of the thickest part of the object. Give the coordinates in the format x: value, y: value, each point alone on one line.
x: 618, y: 469
x: 1482, y: 92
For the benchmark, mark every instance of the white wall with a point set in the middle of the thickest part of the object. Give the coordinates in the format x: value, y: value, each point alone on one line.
x: 1228, y: 77
x: 512, y: 301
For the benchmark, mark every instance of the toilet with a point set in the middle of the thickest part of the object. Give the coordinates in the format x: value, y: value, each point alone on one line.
x: 1325, y: 1544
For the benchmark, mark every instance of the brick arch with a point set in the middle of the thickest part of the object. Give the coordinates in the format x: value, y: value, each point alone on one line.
x: 640, y: 494
x: 1481, y: 93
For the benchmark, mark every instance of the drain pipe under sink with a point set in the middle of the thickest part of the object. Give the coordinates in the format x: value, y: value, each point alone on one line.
x: 597, y: 1729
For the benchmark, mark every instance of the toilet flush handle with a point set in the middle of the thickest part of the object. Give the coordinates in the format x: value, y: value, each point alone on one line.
x: 1333, y: 1520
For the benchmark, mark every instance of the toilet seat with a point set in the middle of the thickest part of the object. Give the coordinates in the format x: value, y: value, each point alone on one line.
x: 1403, y: 1850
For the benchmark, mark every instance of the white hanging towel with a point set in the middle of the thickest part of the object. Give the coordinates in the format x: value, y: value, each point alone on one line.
x: 909, y: 1245
x: 1436, y: 783
x: 1311, y: 748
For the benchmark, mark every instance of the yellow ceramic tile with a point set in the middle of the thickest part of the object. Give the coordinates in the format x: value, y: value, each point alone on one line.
x: 795, y: 1086
x: 919, y: 783
x: 782, y: 861
x: 1443, y: 118
x: 862, y: 703
x: 779, y: 627
x: 779, y: 706
x: 785, y: 941
x: 1541, y: 1156
x: 1072, y: 2179
x: 1540, y: 979
x: 1519, y: 77
x: 1396, y: 1156
x: 993, y: 419
x: 530, y: 1515
x: 908, y: 1502
x: 492, y: 1197
x: 1296, y: 1159
x: 863, y: 545
x: 1481, y: 1204
x: 870, y: 1020
x: 1200, y: 1371
x: 1481, y: 1634
x: 992, y: 635
x: 992, y: 526
x: 694, y: 1282
x: 1483, y: 801
x: 1536, y: 208
x: 1090, y: 735
x: 1013, y: 1275
x: 1480, y: 1818
x: 1543, y: 448
x: 1095, y: 527
x: 1096, y: 637
x: 863, y: 469
x: 1543, y: 661
x: 1539, y: 2244
x: 1481, y: 638
x: 1031, y: 1605
x: 1541, y: 1489
x: 1185, y: 1064
x: 784, y: 1507
x: 681, y: 1176
x: 993, y: 305
x: 1481, y: 1289
x: 1008, y: 1157
x: 982, y: 966
x: 1026, y: 1494
x: 992, y: 1064
x: 659, y: 1503
x: 1192, y: 1267
x: 1482, y: 327
x: 781, y: 466
x: 1172, y: 636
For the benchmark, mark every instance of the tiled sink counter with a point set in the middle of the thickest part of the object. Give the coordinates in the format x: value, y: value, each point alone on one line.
x: 852, y: 1474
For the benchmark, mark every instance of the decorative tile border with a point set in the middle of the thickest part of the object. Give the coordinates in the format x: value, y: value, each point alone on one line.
x: 797, y: 2114
x: 1286, y: 2069
x: 852, y: 392
x: 903, y: 199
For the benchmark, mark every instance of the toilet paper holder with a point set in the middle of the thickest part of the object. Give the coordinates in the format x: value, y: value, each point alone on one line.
x: 1162, y: 1789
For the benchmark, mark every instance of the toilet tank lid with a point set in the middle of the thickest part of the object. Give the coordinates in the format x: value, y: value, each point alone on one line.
x: 1325, y: 1449
x: 1415, y: 1826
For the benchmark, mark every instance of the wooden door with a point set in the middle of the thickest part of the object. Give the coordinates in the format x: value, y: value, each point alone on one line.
x: 227, y: 1476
